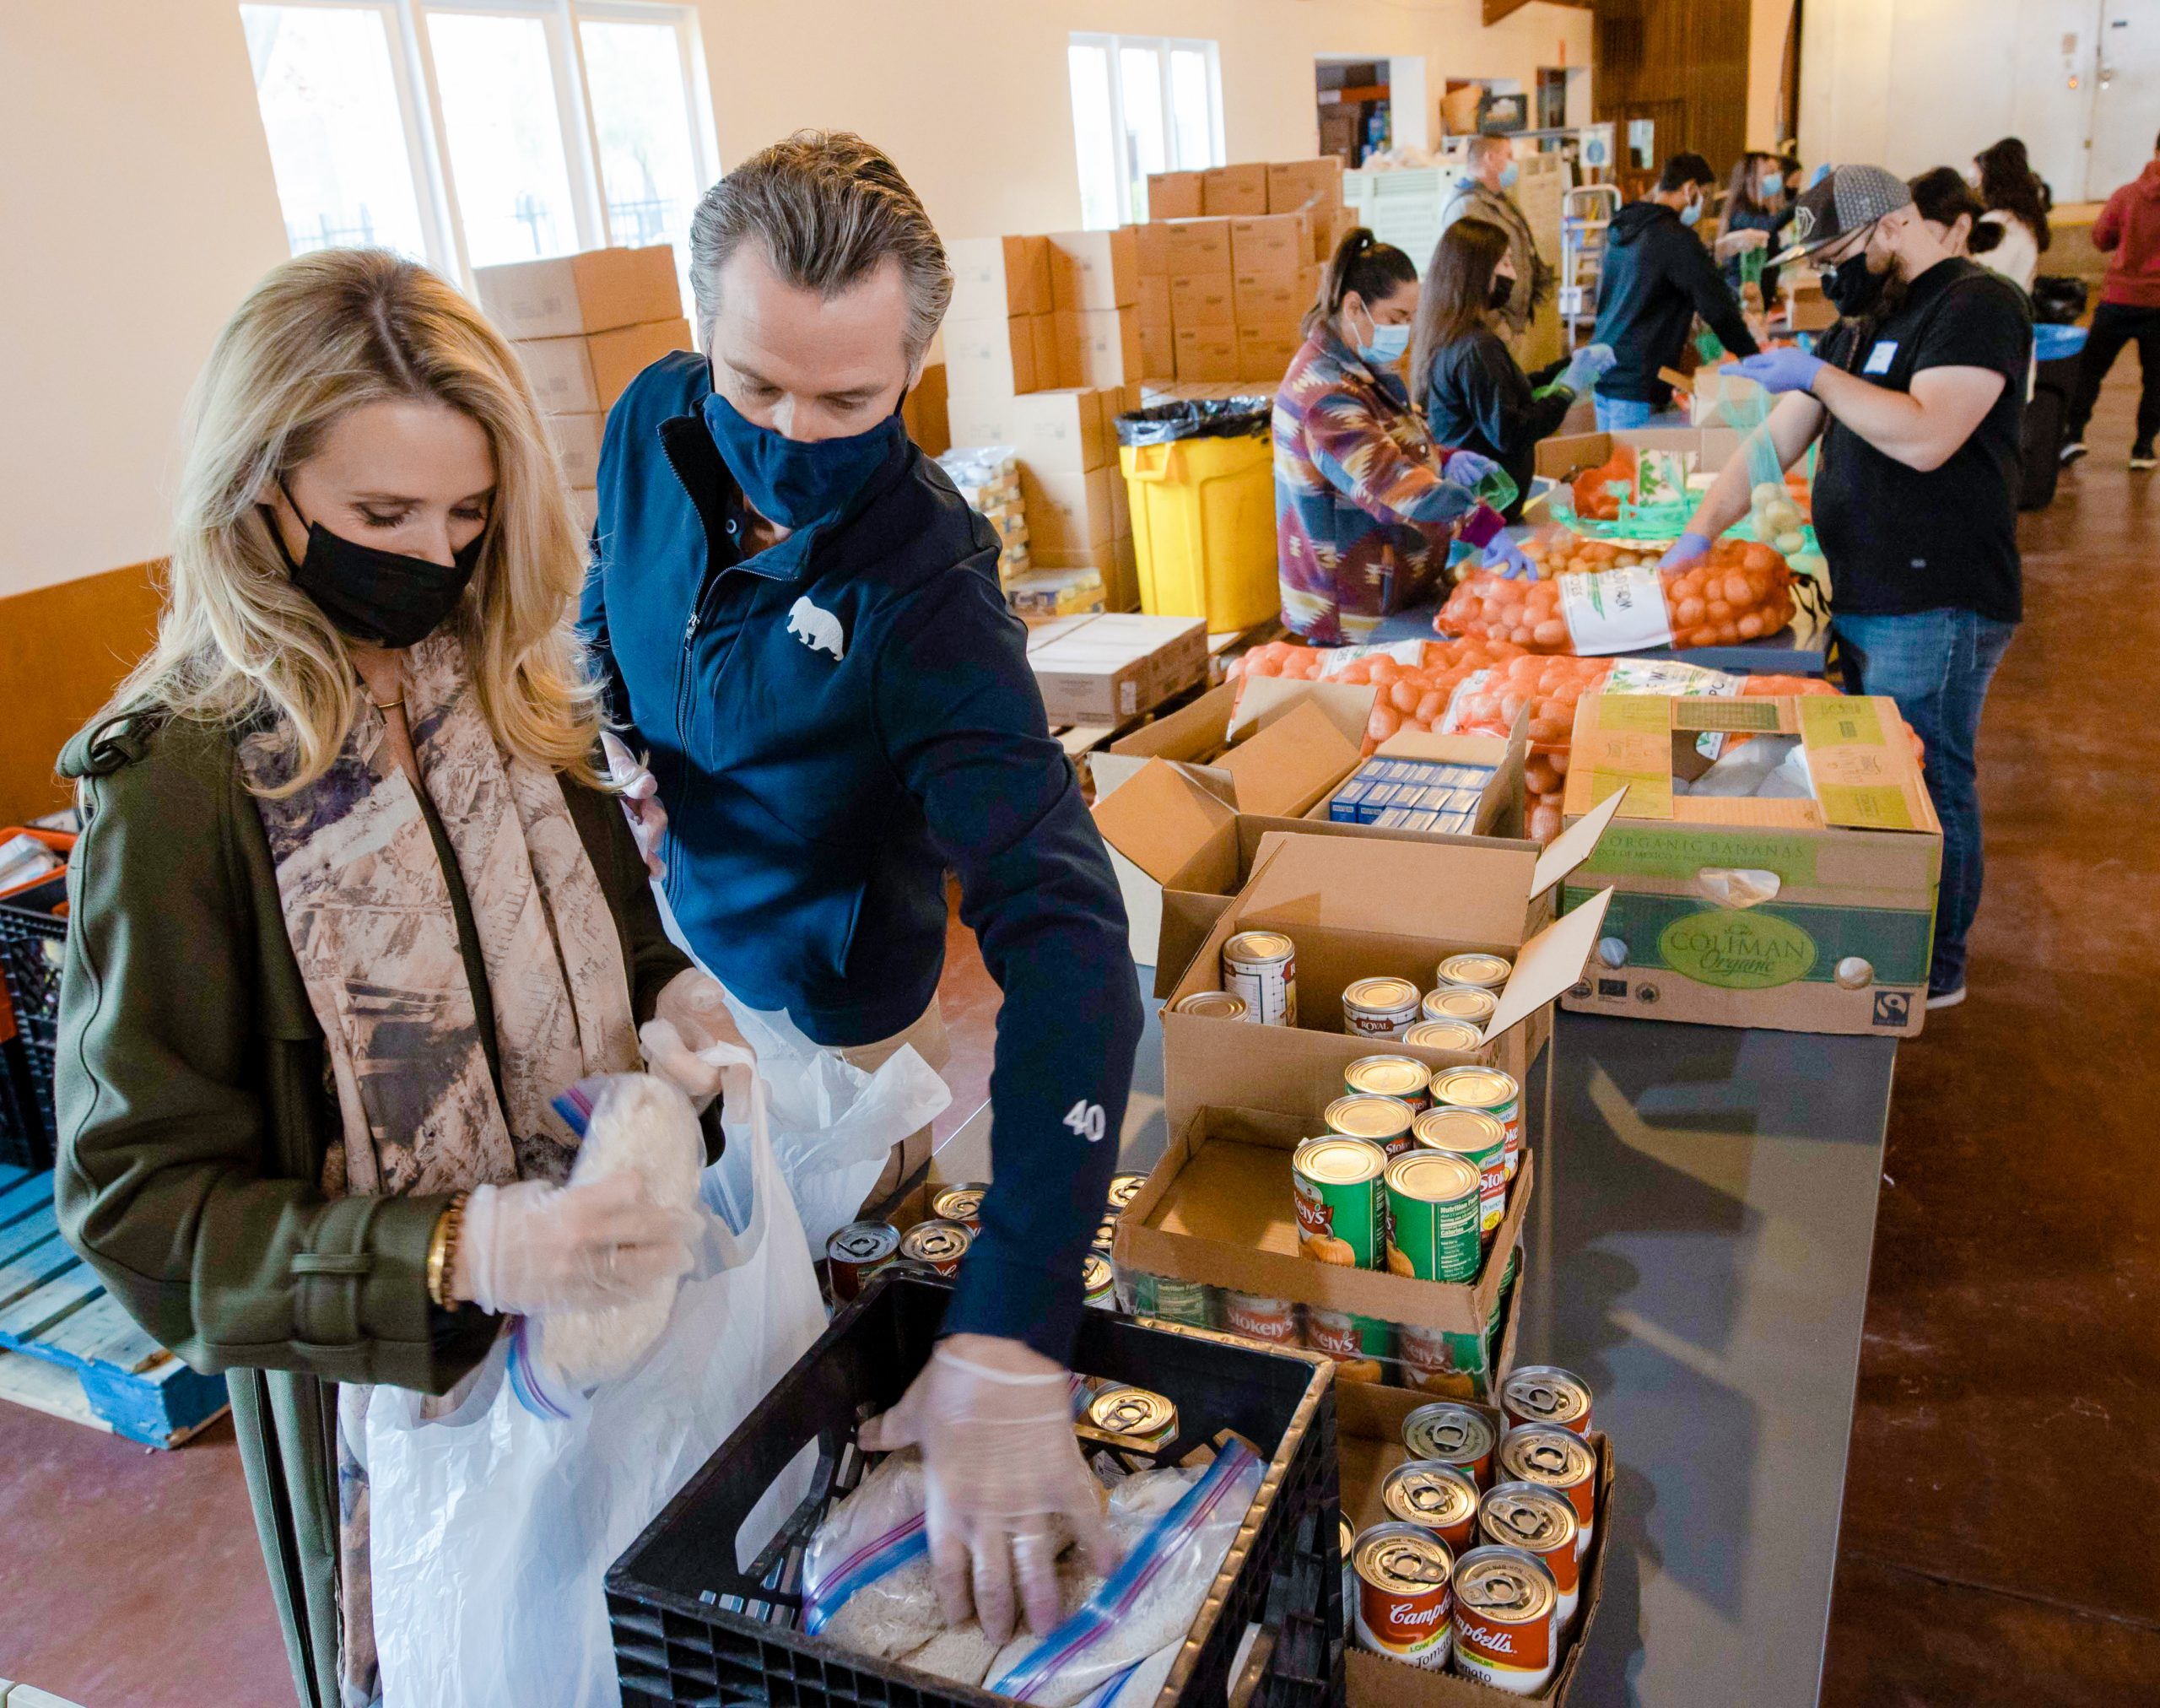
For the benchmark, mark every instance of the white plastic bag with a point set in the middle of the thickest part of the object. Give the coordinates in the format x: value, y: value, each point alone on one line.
x: 492, y: 1527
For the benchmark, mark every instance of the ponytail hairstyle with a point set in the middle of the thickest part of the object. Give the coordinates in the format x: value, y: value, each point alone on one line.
x: 1362, y: 263
x: 1943, y: 197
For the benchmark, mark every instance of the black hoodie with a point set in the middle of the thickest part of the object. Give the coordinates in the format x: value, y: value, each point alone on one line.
x: 1656, y: 277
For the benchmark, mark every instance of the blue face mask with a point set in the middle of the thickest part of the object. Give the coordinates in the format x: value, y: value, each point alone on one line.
x: 1388, y: 344
x: 1773, y: 187
x: 796, y: 482
x: 1508, y: 173
x: 1692, y: 212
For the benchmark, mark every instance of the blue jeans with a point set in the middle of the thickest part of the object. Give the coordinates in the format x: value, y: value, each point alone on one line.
x: 1618, y: 414
x: 1937, y: 665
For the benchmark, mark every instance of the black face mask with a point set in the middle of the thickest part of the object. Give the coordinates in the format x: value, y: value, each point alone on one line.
x: 1498, y: 293
x: 1851, y: 288
x: 383, y: 597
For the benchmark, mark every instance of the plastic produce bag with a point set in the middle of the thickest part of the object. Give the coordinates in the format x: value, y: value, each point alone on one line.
x: 493, y: 1524
x: 1740, y: 590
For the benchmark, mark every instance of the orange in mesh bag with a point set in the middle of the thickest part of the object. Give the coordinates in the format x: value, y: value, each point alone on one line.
x: 1415, y: 680
x: 1738, y: 592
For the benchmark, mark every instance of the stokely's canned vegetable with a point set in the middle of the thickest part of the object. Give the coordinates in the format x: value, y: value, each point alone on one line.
x: 1135, y: 1415
x: 1340, y: 1200
x: 1258, y: 1318
x: 941, y: 1245
x: 1544, y: 1393
x: 1212, y: 1005
x: 1405, y: 1598
x: 1359, y: 1345
x: 1456, y: 1434
x: 1556, y: 1459
x: 1405, y: 1079
x: 1464, y: 1002
x: 1434, y: 1211
x: 858, y: 1252
x: 1482, y: 1142
x: 1381, y: 1008
x: 1381, y: 1119
x: 1459, y: 1037
x: 1441, y: 1361
x: 961, y: 1203
x: 1505, y: 1632
x: 1478, y: 972
x: 1491, y: 1090
x: 1259, y: 968
x: 1540, y: 1522
x: 1438, y: 1497
x: 1098, y: 1282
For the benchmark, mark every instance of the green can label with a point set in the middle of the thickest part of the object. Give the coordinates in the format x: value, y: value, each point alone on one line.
x: 1339, y: 1200
x: 1736, y: 949
x: 1171, y: 1299
x: 1434, y: 1205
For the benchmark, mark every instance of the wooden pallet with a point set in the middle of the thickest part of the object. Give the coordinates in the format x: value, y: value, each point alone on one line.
x: 66, y: 1346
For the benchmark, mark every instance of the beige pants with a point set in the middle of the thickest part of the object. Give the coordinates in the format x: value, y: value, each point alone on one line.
x: 928, y: 1035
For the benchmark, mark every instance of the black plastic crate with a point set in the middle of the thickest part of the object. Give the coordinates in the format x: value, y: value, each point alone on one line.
x: 25, y: 1140
x: 32, y: 939
x: 692, y: 1629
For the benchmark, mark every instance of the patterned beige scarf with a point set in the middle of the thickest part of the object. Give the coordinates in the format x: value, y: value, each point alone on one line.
x: 369, y: 912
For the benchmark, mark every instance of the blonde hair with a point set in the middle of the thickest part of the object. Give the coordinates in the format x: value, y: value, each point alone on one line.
x: 238, y: 643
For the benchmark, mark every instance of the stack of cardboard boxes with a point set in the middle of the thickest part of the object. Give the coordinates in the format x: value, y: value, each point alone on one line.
x: 586, y: 325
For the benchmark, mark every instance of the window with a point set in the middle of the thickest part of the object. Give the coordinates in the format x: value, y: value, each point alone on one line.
x: 473, y: 133
x: 1140, y: 105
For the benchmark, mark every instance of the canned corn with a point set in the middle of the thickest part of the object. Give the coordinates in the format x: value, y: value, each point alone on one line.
x: 1481, y: 1141
x: 1403, y: 1078
x: 1382, y: 1119
x: 1491, y: 1090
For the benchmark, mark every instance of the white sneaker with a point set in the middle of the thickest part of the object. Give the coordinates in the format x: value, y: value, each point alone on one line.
x: 1946, y: 999
x: 2071, y: 452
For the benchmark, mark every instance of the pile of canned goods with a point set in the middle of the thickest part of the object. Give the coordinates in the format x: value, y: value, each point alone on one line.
x: 1480, y: 1562
x: 1260, y: 984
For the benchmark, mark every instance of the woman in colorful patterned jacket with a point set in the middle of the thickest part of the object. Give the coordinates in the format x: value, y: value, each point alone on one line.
x: 1367, y: 505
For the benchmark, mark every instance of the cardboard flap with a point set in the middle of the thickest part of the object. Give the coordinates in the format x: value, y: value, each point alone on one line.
x: 1280, y: 771
x: 1264, y: 699
x: 1575, y: 845
x: 1549, y: 964
x: 1423, y: 887
x: 1860, y: 759
x: 1160, y: 819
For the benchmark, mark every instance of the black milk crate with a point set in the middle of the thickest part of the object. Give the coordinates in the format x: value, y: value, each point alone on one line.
x: 25, y: 1140
x: 691, y: 1628
x: 32, y: 937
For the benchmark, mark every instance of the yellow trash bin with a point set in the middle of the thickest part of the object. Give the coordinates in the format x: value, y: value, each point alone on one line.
x: 1203, y: 526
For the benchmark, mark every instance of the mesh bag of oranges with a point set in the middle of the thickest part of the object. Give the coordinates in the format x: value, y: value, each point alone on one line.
x: 1415, y: 680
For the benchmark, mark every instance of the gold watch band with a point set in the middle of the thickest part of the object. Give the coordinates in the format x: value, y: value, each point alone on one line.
x: 442, y: 1252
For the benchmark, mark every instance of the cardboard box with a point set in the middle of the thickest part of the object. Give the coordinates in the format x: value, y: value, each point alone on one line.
x: 1841, y: 943
x: 1153, y: 302
x: 1565, y: 454
x: 1202, y: 301
x: 595, y: 292
x: 1121, y: 502
x: 1369, y: 1438
x: 1174, y: 196
x: 620, y: 356
x: 1210, y: 354
x: 1107, y: 669
x: 1720, y: 399
x: 1094, y: 269
x: 1055, y: 366
x: 1807, y: 310
x: 1272, y: 243
x: 560, y: 372
x: 1068, y: 512
x: 1098, y: 347
x: 576, y: 375
x: 990, y: 359
x: 1062, y: 431
x: 1503, y: 803
x: 576, y: 440
x: 1274, y: 300
x: 996, y: 278
x: 1328, y: 233
x: 1265, y: 353
x: 1151, y: 248
x: 1295, y: 184
x: 1158, y: 353
x: 1234, y: 190
x: 1198, y: 246
x: 1113, y: 561
x: 925, y: 412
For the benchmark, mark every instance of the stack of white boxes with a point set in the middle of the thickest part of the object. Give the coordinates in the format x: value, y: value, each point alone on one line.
x: 989, y: 477
x: 586, y: 325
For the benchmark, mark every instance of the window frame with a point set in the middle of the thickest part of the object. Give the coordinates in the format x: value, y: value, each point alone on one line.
x: 1114, y: 46
x: 427, y: 137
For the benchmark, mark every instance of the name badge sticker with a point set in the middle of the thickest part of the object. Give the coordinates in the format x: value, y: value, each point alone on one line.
x: 1880, y: 358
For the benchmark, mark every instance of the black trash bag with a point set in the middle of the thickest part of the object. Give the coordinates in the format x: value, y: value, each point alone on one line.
x: 1203, y: 417
x: 2058, y: 301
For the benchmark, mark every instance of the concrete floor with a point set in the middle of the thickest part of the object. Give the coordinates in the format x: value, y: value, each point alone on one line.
x: 1996, y: 1547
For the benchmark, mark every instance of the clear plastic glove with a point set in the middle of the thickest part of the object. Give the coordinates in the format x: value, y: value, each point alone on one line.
x: 1466, y: 468
x: 1504, y: 557
x: 995, y: 1425
x: 690, y: 1017
x: 640, y: 799
x: 1685, y: 550
x: 533, y: 1246
x: 1587, y: 366
x: 1779, y: 371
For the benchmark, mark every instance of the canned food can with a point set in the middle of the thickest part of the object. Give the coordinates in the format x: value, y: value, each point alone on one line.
x: 858, y: 1252
x: 1459, y: 1036
x: 1438, y: 1497
x: 1348, y: 1541
x: 1540, y: 1522
x: 1124, y: 1189
x: 1479, y: 972
x: 1454, y: 1435
x: 1482, y: 1142
x: 961, y: 1203
x: 1434, y: 1210
x: 1359, y: 1345
x: 1491, y: 1090
x: 1464, y: 1002
x: 1135, y: 1415
x: 1098, y: 1282
x: 1405, y: 1079
x: 1441, y: 1361
x: 1340, y: 1200
x: 1105, y: 1233
x: 1505, y: 1632
x: 1381, y: 1119
x: 1404, y: 1578
x: 941, y: 1245
x: 1259, y: 968
x: 1544, y: 1393
x: 913, y: 1266
x: 1556, y: 1459
x: 1173, y: 1299
x: 1381, y: 1008
x: 1259, y: 1318
x: 1212, y: 1005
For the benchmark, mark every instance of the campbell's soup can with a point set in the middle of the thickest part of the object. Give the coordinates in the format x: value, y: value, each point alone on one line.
x: 1438, y: 1497
x: 1259, y: 1318
x: 1464, y: 1002
x: 1544, y: 1393
x: 1454, y: 1435
x: 1557, y: 1459
x: 1359, y: 1345
x: 1540, y: 1522
x: 858, y: 1252
x: 1405, y: 1594
x: 941, y: 1245
x: 1506, y: 1630
x: 1405, y: 1079
x: 1479, y: 1140
x: 1098, y: 1282
x: 961, y: 1203
x: 1491, y: 1090
x: 1259, y: 969
x: 1147, y: 1418
x: 1124, y: 1189
x: 1382, y: 1119
x: 1479, y: 972
x: 1382, y: 1008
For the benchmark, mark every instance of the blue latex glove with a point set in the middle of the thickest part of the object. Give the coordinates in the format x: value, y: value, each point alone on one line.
x: 1779, y: 371
x: 1505, y: 558
x: 1587, y: 366
x: 1466, y: 468
x: 1689, y: 548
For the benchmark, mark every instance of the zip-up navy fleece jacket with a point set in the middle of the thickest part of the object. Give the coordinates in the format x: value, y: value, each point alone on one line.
x: 814, y: 802
x: 1656, y: 277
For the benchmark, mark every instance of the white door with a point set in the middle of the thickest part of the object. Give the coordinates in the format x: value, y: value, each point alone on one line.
x: 2125, y: 97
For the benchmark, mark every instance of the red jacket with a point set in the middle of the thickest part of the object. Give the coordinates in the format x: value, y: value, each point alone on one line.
x: 2128, y: 228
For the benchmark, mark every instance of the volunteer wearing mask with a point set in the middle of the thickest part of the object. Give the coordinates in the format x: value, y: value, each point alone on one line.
x: 1367, y: 503
x: 1656, y: 277
x: 1473, y: 391
x: 1486, y: 191
x: 1917, y: 397
x: 801, y: 623
x: 1755, y: 208
x: 349, y: 909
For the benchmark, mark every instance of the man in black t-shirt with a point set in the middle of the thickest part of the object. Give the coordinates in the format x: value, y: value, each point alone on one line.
x: 1917, y: 396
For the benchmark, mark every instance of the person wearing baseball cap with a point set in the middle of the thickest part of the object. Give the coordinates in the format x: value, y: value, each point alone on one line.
x: 1918, y: 395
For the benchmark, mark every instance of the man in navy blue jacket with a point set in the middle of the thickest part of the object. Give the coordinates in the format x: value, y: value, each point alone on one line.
x: 801, y: 624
